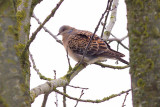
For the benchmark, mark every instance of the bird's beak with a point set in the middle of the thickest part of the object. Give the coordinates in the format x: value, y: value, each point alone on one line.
x: 58, y: 34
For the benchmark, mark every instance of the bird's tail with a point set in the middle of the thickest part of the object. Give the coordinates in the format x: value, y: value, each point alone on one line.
x: 123, y: 61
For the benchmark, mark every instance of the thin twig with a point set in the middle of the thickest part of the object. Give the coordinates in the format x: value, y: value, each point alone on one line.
x: 92, y: 101
x: 68, y: 60
x: 116, y: 39
x: 112, y: 21
x: 45, y: 99
x: 40, y: 27
x: 64, y: 97
x: 125, y: 99
x: 37, y: 70
x: 82, y: 93
x: 110, y: 66
x: 46, y: 30
x: 106, y: 17
x: 78, y: 87
x: 84, y: 53
x: 56, y: 103
x: 121, y: 42
x: 117, y: 51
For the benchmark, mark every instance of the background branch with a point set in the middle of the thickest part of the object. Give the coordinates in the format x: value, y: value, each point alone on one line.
x: 110, y: 66
x: 112, y: 20
x: 37, y: 70
x: 46, y: 30
x: 106, y: 10
x: 41, y: 26
x: 106, y: 17
x: 93, y: 101
x: 64, y: 97
x: 60, y: 82
x: 82, y: 93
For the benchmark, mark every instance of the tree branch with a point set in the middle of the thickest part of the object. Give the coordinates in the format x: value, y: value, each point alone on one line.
x: 45, y: 99
x: 60, y: 82
x: 82, y: 93
x: 112, y: 20
x: 93, y: 101
x: 84, y: 53
x: 64, y: 97
x: 110, y: 66
x: 106, y: 17
x: 37, y: 70
x: 46, y: 30
x: 125, y: 99
x: 41, y: 26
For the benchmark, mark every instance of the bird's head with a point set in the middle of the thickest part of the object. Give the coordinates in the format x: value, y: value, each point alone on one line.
x: 64, y: 29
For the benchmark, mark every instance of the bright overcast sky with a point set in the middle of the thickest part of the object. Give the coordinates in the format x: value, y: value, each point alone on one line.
x: 50, y: 55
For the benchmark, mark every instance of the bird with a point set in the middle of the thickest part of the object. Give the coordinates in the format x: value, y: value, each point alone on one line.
x: 75, y: 42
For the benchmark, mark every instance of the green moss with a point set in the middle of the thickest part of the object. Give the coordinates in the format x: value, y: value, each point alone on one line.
x: 156, y: 32
x: 18, y: 3
x: 145, y: 31
x: 26, y: 3
x: 20, y: 15
x: 27, y: 28
x: 23, y: 59
x: 4, y: 5
x: 13, y: 30
x: 140, y: 83
x: 107, y: 33
x: 19, y: 48
x: 3, y: 102
x: 1, y: 48
x: 158, y: 3
x: 157, y: 16
x: 45, y: 78
x: 33, y: 4
x: 0, y: 29
x: 10, y: 61
x: 139, y: 3
x: 149, y: 64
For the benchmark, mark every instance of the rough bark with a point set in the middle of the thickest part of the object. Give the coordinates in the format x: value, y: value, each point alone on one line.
x: 14, y: 68
x: 144, y: 39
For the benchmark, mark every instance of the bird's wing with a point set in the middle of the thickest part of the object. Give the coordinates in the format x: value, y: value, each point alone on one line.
x: 80, y: 39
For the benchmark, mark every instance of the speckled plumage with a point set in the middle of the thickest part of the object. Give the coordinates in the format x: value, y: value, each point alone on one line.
x: 75, y: 42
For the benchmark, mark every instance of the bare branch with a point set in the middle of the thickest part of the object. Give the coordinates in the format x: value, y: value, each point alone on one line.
x: 64, y: 97
x: 45, y: 99
x: 93, y: 34
x: 78, y: 87
x: 112, y: 20
x: 121, y: 42
x: 82, y: 93
x: 37, y: 70
x: 116, y: 39
x: 93, y: 101
x: 125, y: 99
x: 40, y: 27
x: 55, y: 92
x: 70, y: 67
x: 106, y: 17
x: 110, y: 66
x: 60, y: 82
x: 46, y: 30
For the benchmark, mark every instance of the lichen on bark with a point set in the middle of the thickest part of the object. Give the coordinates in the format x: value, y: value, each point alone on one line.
x: 144, y: 30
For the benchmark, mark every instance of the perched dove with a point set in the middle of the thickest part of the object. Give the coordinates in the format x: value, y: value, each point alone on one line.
x: 75, y: 42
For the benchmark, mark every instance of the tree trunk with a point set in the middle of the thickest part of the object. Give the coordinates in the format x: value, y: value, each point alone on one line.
x: 14, y: 68
x: 144, y: 40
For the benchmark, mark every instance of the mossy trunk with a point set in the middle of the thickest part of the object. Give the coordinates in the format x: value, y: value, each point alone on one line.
x: 144, y: 43
x: 14, y: 68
